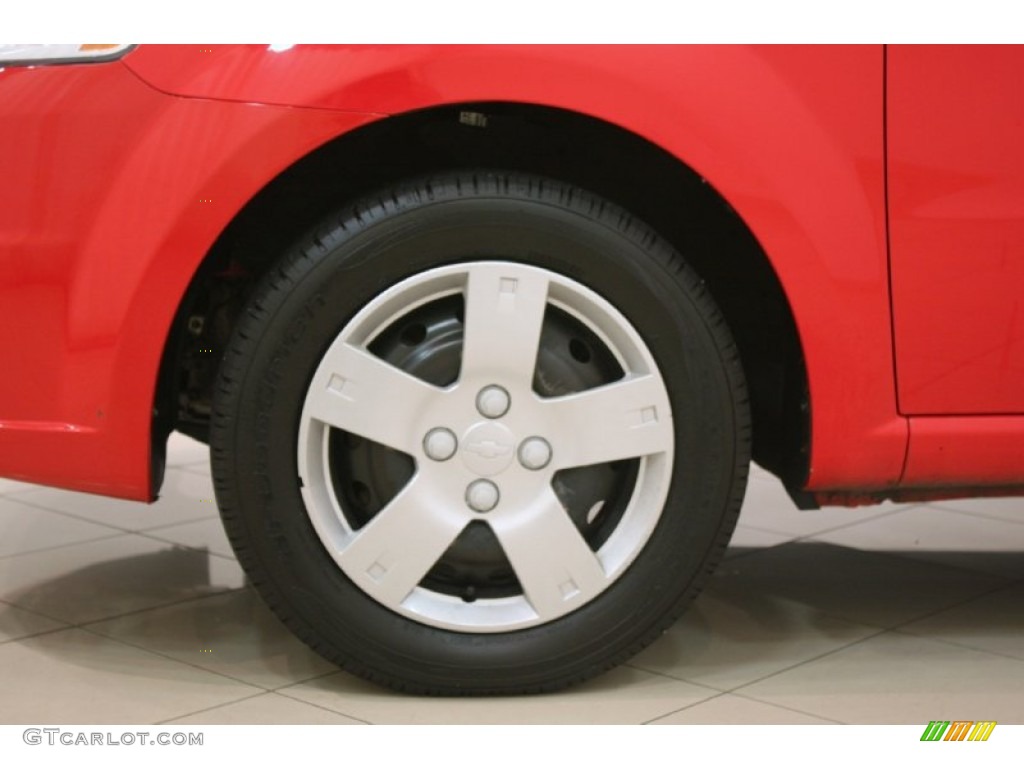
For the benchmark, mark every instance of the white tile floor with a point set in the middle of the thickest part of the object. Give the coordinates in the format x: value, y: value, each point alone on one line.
x: 112, y: 612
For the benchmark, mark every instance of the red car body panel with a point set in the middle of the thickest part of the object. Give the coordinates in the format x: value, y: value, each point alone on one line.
x: 112, y: 195
x: 119, y: 177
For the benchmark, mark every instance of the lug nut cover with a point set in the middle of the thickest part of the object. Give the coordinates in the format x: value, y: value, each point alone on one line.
x: 535, y: 453
x: 493, y: 402
x: 482, y: 495
x: 440, y: 444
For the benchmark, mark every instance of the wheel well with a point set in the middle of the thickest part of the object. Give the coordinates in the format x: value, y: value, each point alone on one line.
x: 607, y: 160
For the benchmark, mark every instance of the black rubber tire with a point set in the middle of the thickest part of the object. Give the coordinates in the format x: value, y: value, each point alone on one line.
x: 301, y: 306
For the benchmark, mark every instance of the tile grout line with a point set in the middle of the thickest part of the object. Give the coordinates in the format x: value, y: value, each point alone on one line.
x: 955, y: 644
x: 206, y: 549
x: 805, y: 537
x: 334, y: 671
x: 34, y: 635
x: 195, y: 598
x: 319, y: 706
x: 998, y: 588
x: 737, y: 690
x: 80, y: 518
x: 734, y: 689
x: 747, y: 698
x: 873, y: 518
x: 976, y: 515
x: 900, y: 628
x: 113, y: 534
x: 674, y: 678
x: 33, y: 611
x: 900, y: 555
x: 85, y: 624
x: 116, y: 531
x: 924, y: 505
x: 653, y: 720
x: 192, y: 521
x: 786, y: 707
x: 71, y: 515
x: 207, y: 709
x: 760, y: 529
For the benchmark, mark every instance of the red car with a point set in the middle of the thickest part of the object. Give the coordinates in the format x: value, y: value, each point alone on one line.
x: 483, y: 339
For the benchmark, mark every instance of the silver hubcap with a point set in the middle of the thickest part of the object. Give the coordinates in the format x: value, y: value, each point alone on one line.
x: 487, y: 449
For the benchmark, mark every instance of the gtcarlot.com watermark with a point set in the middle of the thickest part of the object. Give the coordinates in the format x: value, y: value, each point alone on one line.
x: 68, y: 738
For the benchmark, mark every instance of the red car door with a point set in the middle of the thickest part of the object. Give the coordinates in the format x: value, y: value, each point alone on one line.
x: 955, y: 119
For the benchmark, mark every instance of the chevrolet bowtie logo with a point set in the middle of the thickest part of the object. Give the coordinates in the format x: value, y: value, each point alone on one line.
x: 488, y: 449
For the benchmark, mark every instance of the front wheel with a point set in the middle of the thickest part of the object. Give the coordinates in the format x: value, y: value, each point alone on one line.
x: 484, y: 434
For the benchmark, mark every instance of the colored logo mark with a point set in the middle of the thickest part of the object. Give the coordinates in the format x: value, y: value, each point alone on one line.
x: 958, y: 730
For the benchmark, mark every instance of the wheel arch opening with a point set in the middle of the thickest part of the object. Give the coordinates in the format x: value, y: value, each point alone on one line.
x: 607, y: 160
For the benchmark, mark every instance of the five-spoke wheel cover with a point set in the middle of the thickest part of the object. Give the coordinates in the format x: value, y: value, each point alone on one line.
x: 486, y: 448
